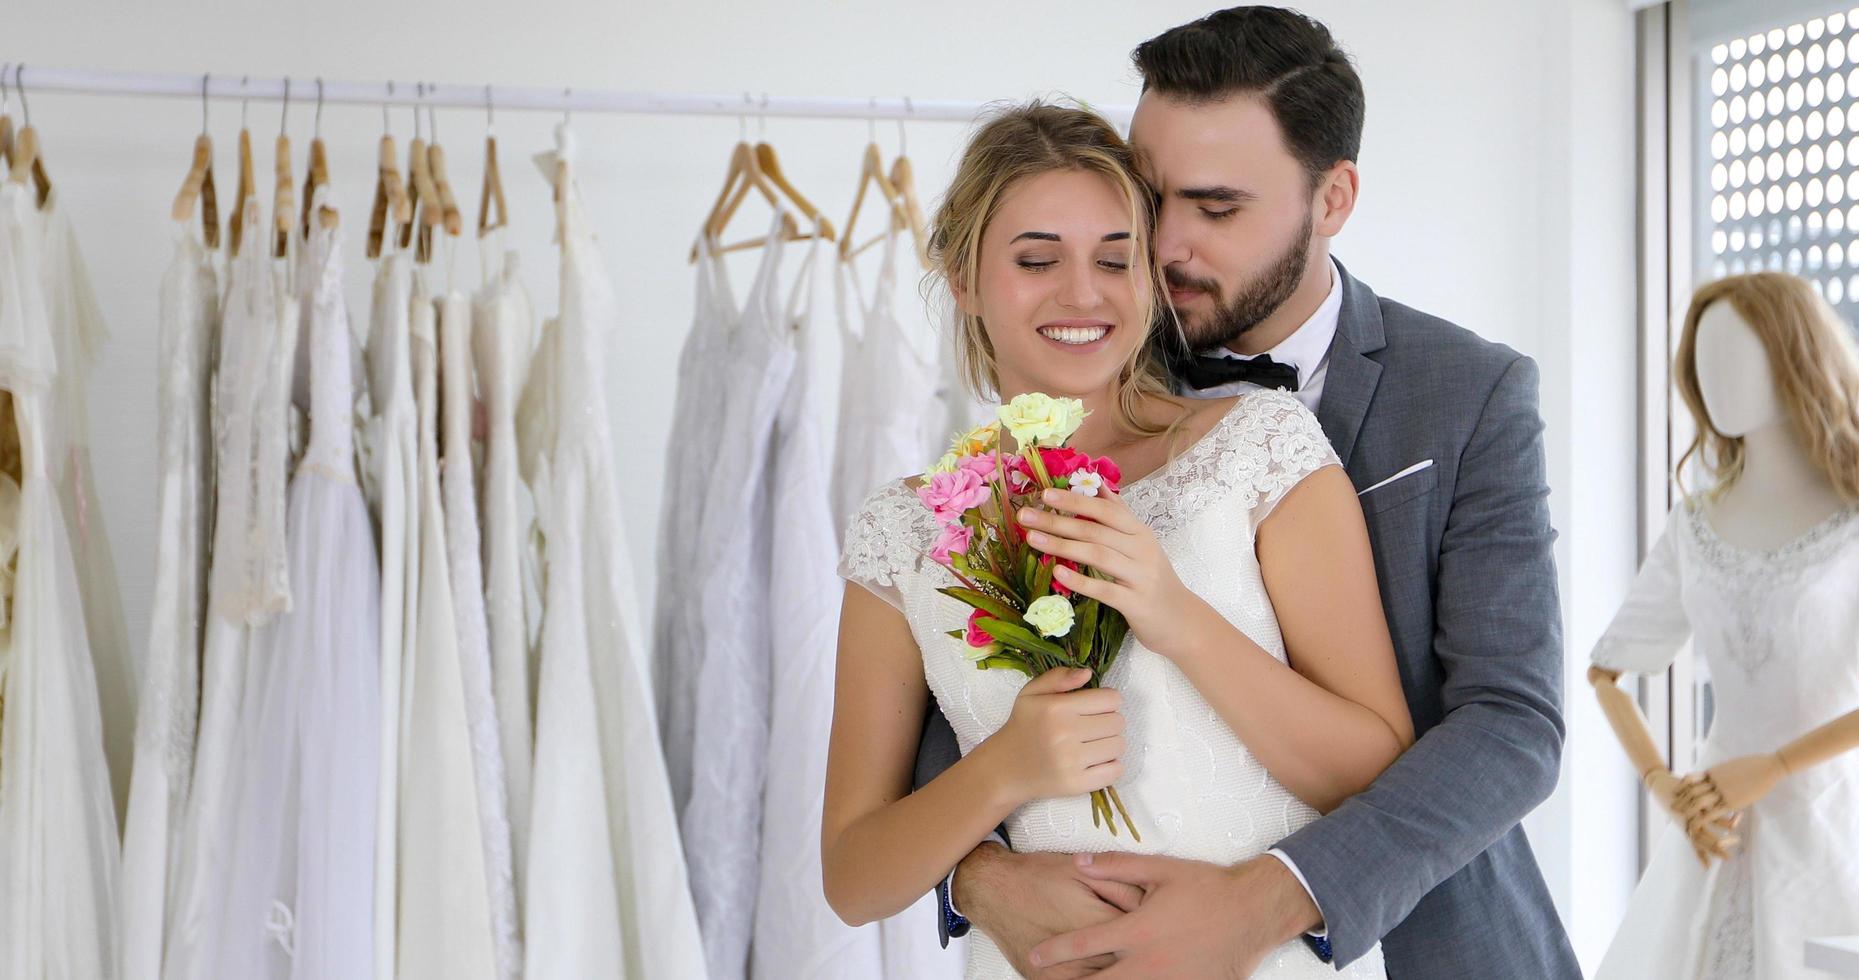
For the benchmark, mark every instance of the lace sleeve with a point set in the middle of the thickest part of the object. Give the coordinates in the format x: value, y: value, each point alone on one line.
x: 1291, y: 447
x: 1651, y: 626
x: 883, y: 542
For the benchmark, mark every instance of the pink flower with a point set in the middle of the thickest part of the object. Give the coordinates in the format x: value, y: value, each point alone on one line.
x: 1062, y: 461
x: 1019, y: 475
x: 954, y: 539
x: 948, y: 494
x: 982, y: 465
x: 977, y: 637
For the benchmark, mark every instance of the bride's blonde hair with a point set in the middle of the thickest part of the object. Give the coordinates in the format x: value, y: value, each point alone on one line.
x: 1815, y: 368
x: 1015, y: 144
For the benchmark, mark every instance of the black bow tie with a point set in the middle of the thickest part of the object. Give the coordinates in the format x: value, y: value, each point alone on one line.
x: 1202, y: 372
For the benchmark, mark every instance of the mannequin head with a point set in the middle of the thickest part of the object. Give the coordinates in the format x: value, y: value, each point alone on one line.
x: 1762, y: 349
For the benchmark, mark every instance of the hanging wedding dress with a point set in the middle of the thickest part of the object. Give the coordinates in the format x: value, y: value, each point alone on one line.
x: 169, y: 703
x: 58, y: 843
x: 797, y: 934
x: 393, y: 442
x: 608, y: 894
x: 892, y: 415
x: 677, y: 625
x: 298, y: 899
x: 445, y: 914
x: 248, y: 583
x: 503, y: 338
x: 78, y: 335
x: 729, y: 713
x: 457, y: 484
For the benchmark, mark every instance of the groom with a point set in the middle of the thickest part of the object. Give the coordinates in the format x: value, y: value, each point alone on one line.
x: 1249, y: 126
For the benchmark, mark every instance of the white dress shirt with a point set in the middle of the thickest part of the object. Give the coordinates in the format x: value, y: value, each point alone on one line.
x: 1308, y: 350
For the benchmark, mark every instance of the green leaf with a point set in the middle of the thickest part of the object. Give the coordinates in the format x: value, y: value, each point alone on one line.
x: 1042, y: 580
x: 1111, y: 631
x: 1029, y: 570
x: 984, y: 602
x: 1006, y: 663
x: 1086, y: 628
x: 1019, y: 636
x: 984, y: 577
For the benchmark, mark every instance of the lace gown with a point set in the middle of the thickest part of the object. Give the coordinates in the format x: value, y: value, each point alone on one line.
x: 299, y: 889
x: 503, y: 338
x: 608, y: 892
x: 248, y: 583
x: 170, y: 697
x: 1190, y: 785
x: 58, y: 843
x: 1777, y: 630
x: 464, y: 563
x: 78, y: 334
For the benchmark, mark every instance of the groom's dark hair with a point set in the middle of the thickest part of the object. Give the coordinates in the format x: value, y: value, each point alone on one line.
x: 1279, y: 55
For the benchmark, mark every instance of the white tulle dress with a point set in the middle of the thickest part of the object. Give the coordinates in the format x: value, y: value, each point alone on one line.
x: 608, y: 894
x: 58, y: 842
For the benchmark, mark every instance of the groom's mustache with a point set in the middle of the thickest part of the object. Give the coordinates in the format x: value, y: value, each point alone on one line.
x: 1177, y: 279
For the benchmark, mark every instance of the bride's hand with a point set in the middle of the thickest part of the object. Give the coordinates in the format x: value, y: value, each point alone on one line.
x: 1106, y: 537
x: 1059, y: 741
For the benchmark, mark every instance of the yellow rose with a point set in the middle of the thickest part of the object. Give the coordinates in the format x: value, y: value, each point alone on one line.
x: 1038, y: 419
x: 1050, y: 615
x: 978, y: 440
x: 946, y: 464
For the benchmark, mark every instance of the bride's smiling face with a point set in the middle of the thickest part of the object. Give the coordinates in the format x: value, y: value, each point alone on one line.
x: 1060, y: 288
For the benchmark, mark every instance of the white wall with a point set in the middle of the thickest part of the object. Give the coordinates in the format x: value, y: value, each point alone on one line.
x: 1496, y: 192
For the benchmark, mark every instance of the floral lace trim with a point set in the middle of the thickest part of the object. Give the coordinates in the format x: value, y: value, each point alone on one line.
x: 1263, y: 447
x: 1787, y: 560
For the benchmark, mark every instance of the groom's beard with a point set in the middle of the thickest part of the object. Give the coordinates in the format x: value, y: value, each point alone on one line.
x: 1252, y: 302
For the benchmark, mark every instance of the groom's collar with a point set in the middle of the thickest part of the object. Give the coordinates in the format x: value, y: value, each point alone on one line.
x: 1360, y: 320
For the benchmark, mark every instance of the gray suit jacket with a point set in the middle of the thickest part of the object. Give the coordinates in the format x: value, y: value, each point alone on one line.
x: 1431, y: 860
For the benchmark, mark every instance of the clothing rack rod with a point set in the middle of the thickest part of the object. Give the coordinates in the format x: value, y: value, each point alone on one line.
x: 303, y: 93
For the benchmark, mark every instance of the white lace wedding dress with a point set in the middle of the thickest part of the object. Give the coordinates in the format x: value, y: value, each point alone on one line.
x: 1190, y: 785
x: 169, y: 708
x: 58, y: 842
x: 1776, y: 629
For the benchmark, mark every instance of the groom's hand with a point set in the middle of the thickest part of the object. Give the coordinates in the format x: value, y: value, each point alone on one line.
x: 1196, y: 919
x: 1021, y: 900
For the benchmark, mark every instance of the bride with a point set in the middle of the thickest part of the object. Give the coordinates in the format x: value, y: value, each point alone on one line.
x: 1258, y: 688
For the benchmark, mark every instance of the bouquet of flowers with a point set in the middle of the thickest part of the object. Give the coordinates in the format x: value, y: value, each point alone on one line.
x: 1023, y: 620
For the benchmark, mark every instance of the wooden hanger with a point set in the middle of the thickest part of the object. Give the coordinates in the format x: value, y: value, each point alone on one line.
x: 427, y: 210
x: 742, y: 176
x: 871, y: 171
x: 198, y: 184
x: 492, y: 192
x: 244, y: 190
x: 316, y: 173
x: 27, y: 161
x: 6, y: 120
x: 435, y: 165
x: 283, y: 199
x: 390, y: 192
x: 770, y: 165
x: 903, y: 177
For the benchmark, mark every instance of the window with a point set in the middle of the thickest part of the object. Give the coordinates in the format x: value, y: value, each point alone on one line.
x: 1776, y: 170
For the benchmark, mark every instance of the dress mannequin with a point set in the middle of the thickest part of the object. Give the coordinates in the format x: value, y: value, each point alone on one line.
x: 1749, y: 569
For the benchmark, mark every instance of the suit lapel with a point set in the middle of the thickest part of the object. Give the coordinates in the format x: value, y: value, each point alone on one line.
x: 1349, y: 386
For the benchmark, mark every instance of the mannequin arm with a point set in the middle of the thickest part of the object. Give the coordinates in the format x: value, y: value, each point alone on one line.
x: 1734, y: 784
x: 1837, y: 737
x: 1629, y: 725
x: 1709, y: 835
